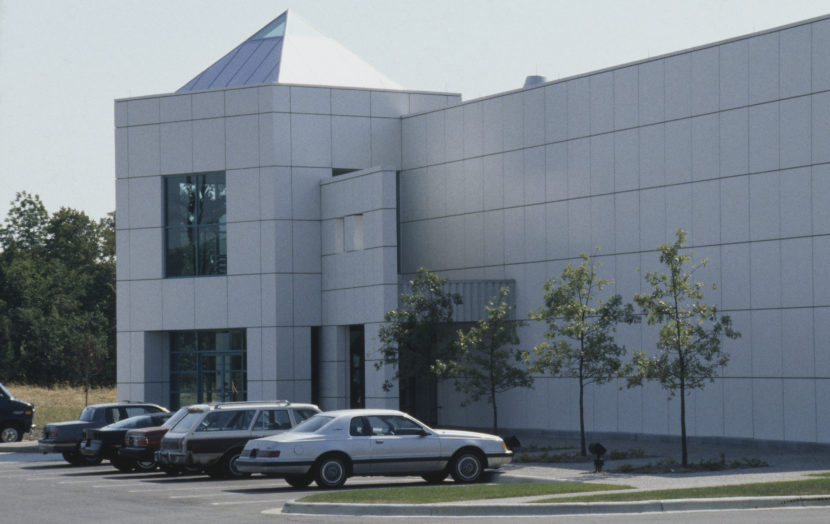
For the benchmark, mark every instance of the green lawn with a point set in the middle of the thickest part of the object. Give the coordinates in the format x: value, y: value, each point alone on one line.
x: 814, y: 486
x: 819, y: 484
x: 454, y: 493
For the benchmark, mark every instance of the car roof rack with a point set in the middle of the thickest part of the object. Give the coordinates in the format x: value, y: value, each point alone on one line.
x: 219, y: 405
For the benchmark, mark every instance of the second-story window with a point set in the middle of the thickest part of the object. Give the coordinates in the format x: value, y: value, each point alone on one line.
x: 195, y: 230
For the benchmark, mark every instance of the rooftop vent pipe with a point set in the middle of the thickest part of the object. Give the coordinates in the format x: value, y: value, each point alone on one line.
x: 534, y: 80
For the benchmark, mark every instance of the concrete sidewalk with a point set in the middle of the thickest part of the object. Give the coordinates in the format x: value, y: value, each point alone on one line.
x: 785, y: 462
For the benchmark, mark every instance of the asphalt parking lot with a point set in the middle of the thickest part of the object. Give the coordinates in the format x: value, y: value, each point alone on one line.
x: 44, y: 488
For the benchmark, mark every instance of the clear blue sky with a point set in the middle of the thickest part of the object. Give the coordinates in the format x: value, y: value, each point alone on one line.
x: 62, y: 63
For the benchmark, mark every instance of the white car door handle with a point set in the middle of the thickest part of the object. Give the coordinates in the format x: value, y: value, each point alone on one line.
x: 378, y: 442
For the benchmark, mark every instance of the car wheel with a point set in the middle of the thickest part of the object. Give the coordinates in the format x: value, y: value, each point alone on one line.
x: 73, y: 457
x: 299, y: 481
x: 145, y: 465
x: 467, y: 467
x: 435, y: 478
x: 330, y: 472
x: 10, y: 434
x: 83, y: 460
x: 123, y: 465
x: 230, y: 468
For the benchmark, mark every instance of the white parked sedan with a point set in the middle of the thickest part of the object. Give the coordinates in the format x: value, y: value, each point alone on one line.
x: 332, y: 446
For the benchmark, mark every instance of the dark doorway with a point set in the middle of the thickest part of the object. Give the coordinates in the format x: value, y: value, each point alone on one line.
x: 357, y: 371
x: 315, y: 365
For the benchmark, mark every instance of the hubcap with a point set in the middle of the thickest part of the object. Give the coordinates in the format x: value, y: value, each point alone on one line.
x: 468, y: 467
x: 232, y: 466
x: 332, y: 472
x: 9, y: 435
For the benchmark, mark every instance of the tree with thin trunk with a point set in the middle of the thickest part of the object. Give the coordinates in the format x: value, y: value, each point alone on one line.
x: 485, y: 365
x: 580, y: 331
x: 88, y: 358
x: 416, y: 336
x: 689, y: 342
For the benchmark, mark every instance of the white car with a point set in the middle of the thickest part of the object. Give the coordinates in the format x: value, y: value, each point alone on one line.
x: 332, y: 446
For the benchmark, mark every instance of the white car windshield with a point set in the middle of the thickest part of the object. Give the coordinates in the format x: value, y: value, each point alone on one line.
x: 312, y: 424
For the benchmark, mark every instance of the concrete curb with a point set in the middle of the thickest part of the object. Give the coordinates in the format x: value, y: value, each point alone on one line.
x: 24, y: 446
x: 533, y: 509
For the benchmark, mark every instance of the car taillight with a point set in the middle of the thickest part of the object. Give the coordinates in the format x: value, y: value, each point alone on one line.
x: 141, y: 441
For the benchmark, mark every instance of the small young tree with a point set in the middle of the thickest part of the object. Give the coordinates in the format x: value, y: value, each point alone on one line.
x: 484, y: 368
x: 416, y: 337
x: 86, y: 353
x: 580, y: 331
x: 689, y: 342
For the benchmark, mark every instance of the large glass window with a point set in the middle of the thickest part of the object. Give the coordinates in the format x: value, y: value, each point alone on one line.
x: 195, y: 230
x: 207, y: 366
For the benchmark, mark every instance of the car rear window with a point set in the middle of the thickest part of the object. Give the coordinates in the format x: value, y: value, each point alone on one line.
x: 175, y: 418
x: 133, y: 422
x: 88, y: 414
x: 134, y: 411
x: 187, y: 423
x: 313, y: 424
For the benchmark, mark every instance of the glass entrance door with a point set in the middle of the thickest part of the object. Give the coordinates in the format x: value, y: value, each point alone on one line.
x: 221, y: 377
x: 207, y: 366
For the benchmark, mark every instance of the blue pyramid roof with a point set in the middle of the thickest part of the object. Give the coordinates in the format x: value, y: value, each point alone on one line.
x: 287, y: 50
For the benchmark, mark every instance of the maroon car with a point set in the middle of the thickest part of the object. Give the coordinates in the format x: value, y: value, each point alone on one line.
x: 140, y: 445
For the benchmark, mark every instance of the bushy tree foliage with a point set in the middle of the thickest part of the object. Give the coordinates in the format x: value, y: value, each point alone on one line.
x: 580, y: 331
x: 689, y: 343
x: 487, y: 357
x: 57, y: 293
x: 418, y: 336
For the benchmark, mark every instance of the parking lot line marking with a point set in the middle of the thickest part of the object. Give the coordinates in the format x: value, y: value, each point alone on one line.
x: 199, y: 496
x: 44, y: 478
x: 118, y: 485
x: 200, y: 487
x: 240, y: 502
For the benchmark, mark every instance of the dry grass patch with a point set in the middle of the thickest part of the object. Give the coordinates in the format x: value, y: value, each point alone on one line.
x: 58, y: 403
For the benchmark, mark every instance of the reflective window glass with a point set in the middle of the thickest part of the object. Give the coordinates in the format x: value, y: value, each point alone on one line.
x: 195, y: 230
x: 181, y: 252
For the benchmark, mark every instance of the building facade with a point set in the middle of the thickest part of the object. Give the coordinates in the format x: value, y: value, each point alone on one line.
x: 266, y: 220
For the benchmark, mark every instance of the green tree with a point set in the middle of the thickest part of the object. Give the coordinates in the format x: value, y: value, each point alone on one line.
x: 417, y: 336
x: 57, y: 286
x: 483, y: 368
x: 25, y: 224
x: 580, y: 331
x: 689, y: 342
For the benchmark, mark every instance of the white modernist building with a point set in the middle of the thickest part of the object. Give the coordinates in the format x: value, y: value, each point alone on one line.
x: 268, y: 211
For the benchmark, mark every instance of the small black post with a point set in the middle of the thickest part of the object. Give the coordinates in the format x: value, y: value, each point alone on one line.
x: 598, y: 450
